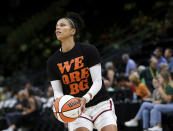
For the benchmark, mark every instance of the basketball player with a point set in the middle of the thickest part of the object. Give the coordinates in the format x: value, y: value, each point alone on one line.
x: 75, y: 69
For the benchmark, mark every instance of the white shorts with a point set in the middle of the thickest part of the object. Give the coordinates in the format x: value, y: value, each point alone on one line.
x: 97, y: 117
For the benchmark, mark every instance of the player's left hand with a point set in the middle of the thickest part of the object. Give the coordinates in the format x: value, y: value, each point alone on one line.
x: 82, y: 102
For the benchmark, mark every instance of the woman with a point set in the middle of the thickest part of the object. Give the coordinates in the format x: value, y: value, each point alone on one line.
x: 28, y: 112
x: 75, y: 70
x: 141, y: 90
x: 108, y: 78
x: 151, y: 112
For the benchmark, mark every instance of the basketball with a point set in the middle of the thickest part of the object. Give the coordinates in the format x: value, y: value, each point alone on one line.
x: 66, y: 108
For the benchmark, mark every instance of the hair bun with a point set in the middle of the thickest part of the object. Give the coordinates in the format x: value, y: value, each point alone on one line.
x: 78, y: 21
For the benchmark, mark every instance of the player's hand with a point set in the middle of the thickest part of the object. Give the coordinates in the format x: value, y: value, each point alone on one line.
x: 82, y: 102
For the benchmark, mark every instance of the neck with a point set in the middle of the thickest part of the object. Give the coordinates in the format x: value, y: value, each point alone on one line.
x: 67, y: 44
x: 159, y: 57
x: 168, y: 58
x: 152, y: 68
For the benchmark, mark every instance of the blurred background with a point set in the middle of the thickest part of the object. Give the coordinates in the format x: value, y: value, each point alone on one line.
x: 27, y: 36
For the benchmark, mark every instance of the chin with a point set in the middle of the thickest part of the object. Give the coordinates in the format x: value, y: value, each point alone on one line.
x: 59, y: 38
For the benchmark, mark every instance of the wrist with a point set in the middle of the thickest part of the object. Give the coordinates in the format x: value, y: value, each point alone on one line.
x: 87, y: 97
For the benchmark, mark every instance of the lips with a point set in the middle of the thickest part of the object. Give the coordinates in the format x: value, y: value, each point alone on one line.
x: 58, y: 32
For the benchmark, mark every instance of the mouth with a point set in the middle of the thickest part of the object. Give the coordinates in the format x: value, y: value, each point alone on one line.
x: 58, y: 32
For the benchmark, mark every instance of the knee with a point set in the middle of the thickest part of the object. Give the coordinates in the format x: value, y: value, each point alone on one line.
x: 157, y: 107
x: 145, y: 104
x: 109, y: 128
x: 81, y: 129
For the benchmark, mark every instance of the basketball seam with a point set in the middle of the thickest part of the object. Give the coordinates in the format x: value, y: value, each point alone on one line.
x: 71, y: 109
x: 62, y: 106
x: 60, y: 117
x: 67, y: 117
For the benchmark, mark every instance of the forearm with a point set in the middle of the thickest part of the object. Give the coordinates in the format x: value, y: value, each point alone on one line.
x: 164, y: 96
x: 95, y: 72
x: 57, y: 88
x: 28, y: 110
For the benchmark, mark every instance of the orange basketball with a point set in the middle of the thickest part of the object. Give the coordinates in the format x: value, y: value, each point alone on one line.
x: 66, y: 108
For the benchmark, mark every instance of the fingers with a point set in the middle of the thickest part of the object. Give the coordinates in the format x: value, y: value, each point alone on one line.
x: 82, y: 102
x: 83, y: 109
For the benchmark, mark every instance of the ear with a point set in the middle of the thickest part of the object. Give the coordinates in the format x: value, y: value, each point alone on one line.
x: 73, y: 31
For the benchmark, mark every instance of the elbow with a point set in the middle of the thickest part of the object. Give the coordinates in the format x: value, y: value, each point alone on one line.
x: 168, y: 99
x: 100, y: 84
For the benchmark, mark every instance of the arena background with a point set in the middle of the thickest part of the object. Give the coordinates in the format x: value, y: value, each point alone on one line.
x: 27, y: 34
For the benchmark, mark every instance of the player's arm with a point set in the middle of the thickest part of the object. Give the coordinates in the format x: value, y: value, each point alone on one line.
x: 53, y: 77
x: 96, y: 76
x: 57, y: 88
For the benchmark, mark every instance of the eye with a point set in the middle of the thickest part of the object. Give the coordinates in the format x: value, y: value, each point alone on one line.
x: 62, y: 24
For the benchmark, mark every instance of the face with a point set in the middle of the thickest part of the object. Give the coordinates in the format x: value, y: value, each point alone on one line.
x: 64, y: 29
x: 28, y: 85
x: 157, y: 53
x: 154, y: 63
x: 167, y: 54
x: 161, y: 80
x: 165, y: 69
x: 26, y: 93
x: 155, y: 83
x: 124, y: 59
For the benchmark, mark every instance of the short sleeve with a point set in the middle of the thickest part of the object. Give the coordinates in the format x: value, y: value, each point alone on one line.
x: 92, y: 54
x: 51, y: 71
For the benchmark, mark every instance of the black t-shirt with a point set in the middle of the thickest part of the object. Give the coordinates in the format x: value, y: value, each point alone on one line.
x: 72, y: 69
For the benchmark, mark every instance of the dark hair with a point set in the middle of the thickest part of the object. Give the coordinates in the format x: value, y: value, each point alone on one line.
x: 31, y: 91
x: 76, y: 22
x: 159, y: 48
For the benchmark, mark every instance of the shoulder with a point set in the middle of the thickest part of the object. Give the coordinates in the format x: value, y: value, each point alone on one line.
x: 171, y: 60
x: 142, y: 85
x: 87, y: 46
x: 52, y: 57
x: 164, y: 59
x: 131, y: 61
x: 31, y: 100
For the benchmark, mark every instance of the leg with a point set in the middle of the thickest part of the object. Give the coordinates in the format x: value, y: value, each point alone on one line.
x: 109, y: 128
x: 82, y: 129
x: 155, y: 115
x: 107, y: 121
x: 11, y: 117
x: 134, y: 122
x: 80, y: 124
x: 145, y: 118
x: 145, y: 105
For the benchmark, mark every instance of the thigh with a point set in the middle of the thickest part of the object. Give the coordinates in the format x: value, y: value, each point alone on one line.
x: 80, y: 124
x: 148, y: 105
x: 82, y: 129
x: 109, y: 128
x: 107, y: 120
x: 164, y: 108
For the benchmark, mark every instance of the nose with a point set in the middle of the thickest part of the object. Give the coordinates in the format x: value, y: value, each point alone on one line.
x: 57, y: 27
